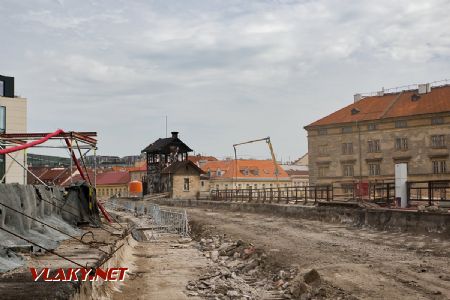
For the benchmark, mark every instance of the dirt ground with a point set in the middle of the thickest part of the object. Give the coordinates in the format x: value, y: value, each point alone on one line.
x: 364, y: 263
x: 161, y: 269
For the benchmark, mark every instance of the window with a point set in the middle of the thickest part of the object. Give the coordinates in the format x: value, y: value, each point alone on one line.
x: 401, y: 124
x: 373, y: 146
x: 401, y: 144
x: 374, y: 169
x: 2, y: 89
x: 347, y: 170
x: 203, y: 183
x: 439, y: 166
x: 347, y: 148
x: 186, y: 184
x: 2, y: 167
x: 218, y: 172
x: 438, y: 141
x: 323, y: 150
x: 372, y: 127
x: 2, y: 119
x: 322, y: 131
x: 347, y: 129
x: 437, y: 121
x: 323, y: 171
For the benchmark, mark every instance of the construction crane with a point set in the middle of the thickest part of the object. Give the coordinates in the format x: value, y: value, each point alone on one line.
x: 272, y: 153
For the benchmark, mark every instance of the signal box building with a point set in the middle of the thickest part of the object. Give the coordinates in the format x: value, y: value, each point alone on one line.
x: 159, y: 155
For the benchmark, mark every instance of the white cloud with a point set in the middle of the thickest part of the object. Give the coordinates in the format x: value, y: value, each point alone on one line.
x: 237, y: 69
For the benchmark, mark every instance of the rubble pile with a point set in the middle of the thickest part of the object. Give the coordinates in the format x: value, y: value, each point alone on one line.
x: 238, y: 270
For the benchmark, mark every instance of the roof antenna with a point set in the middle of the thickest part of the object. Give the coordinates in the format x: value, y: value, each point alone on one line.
x: 166, y: 126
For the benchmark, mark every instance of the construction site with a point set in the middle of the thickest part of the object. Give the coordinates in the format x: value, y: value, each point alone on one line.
x: 223, y: 150
x: 281, y: 242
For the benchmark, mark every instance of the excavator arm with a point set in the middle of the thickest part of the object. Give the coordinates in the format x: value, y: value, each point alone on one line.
x: 272, y: 153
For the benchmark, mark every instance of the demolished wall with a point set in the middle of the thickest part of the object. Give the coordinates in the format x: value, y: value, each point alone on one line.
x: 48, y: 205
x: 382, y: 219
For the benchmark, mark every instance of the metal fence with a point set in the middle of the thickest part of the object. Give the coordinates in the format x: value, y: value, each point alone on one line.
x: 429, y: 193
x: 160, y: 219
x: 275, y: 195
x: 435, y: 193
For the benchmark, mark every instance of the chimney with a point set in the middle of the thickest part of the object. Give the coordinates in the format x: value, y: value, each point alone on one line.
x: 174, y: 134
x: 424, y: 88
x: 357, y: 97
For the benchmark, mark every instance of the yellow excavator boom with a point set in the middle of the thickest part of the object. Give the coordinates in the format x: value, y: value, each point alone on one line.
x: 272, y: 153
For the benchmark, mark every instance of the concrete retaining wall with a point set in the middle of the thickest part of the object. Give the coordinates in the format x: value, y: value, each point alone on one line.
x: 33, y: 201
x: 382, y: 219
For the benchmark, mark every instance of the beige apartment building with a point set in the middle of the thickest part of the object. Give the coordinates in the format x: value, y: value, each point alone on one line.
x: 13, y: 119
x: 364, y: 140
x: 242, y: 174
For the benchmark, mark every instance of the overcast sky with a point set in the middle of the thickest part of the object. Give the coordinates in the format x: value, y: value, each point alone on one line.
x: 223, y: 71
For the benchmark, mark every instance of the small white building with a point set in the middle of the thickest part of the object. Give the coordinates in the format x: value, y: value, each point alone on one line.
x: 13, y: 119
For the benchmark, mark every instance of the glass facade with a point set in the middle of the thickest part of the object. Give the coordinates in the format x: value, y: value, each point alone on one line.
x: 2, y: 119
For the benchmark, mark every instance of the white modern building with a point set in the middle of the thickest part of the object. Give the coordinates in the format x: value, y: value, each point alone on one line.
x: 13, y: 119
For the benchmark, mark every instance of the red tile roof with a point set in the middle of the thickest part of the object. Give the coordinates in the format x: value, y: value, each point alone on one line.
x: 138, y: 169
x: 390, y: 106
x: 77, y: 177
x: 256, y: 169
x: 113, y: 178
x: 51, y: 176
x: 197, y: 158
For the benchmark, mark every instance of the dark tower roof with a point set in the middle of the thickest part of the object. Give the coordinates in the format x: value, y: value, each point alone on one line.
x: 167, y: 145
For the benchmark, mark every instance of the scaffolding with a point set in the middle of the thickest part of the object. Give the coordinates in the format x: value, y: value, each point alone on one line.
x: 72, y: 141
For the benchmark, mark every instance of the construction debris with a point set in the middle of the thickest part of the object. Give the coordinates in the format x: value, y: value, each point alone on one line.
x: 239, y: 270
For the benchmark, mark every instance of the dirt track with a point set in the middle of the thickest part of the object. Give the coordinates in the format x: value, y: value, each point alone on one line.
x: 366, y: 263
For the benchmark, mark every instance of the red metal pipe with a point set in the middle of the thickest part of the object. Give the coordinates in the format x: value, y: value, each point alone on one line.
x: 31, y: 144
x: 74, y: 158
x: 104, y: 212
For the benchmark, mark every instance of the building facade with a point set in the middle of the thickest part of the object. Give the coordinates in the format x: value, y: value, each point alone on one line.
x: 112, y: 184
x: 13, y: 119
x: 182, y: 180
x: 243, y: 174
x: 137, y: 173
x: 159, y: 155
x: 363, y: 141
x: 299, y: 174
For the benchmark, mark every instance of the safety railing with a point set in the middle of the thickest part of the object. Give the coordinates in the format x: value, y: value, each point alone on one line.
x: 160, y: 219
x: 293, y: 195
x: 429, y: 193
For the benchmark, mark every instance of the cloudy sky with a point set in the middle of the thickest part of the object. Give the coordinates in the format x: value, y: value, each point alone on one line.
x: 223, y: 71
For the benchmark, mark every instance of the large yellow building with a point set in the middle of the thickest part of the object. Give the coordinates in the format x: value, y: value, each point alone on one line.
x: 112, y: 184
x: 13, y: 119
x: 366, y: 139
x: 243, y: 174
